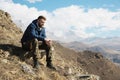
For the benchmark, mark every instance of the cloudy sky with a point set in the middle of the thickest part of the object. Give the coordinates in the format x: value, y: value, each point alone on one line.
x: 68, y: 20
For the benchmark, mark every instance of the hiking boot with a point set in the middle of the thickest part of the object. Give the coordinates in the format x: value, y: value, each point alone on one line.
x: 49, y: 65
x: 36, y: 65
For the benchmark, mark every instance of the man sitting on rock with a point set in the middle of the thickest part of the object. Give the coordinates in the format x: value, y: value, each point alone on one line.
x: 34, y: 38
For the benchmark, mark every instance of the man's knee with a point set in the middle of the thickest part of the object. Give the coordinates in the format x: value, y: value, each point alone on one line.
x: 35, y: 40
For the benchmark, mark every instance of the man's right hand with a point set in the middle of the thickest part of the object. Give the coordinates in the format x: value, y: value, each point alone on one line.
x: 48, y: 42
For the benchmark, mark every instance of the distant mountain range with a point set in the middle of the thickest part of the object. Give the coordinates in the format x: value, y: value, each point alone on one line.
x: 109, y: 47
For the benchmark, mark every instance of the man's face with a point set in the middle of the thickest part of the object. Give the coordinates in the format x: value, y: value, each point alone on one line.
x: 41, y: 22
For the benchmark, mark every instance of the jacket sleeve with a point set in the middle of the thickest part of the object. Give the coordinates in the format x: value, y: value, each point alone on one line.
x: 33, y: 34
x: 43, y: 34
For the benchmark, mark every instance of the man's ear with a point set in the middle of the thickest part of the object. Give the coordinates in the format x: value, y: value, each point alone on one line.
x: 38, y: 19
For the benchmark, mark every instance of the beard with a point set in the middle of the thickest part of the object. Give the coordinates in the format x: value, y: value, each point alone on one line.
x: 40, y: 25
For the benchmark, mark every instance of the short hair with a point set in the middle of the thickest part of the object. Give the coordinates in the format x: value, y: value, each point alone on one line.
x: 41, y: 17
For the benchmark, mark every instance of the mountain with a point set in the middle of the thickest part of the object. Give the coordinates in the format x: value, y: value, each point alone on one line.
x: 111, y: 42
x: 109, y: 47
x: 9, y: 32
x: 16, y: 64
x: 76, y: 45
x: 96, y: 64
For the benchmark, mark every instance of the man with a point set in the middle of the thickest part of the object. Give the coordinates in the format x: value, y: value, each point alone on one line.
x: 33, y: 35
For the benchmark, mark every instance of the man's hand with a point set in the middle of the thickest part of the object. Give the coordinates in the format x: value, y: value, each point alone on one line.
x: 48, y: 42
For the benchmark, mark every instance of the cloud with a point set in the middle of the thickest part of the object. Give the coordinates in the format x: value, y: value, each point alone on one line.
x: 33, y: 1
x: 10, y: 1
x: 67, y: 23
x: 77, y: 20
x: 21, y: 12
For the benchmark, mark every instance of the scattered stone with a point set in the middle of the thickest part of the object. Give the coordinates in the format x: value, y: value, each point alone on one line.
x: 4, y: 60
x: 88, y: 77
x: 27, y: 69
x: 1, y: 51
x: 68, y: 71
x: 98, y: 56
x: 13, y: 72
x: 6, y: 54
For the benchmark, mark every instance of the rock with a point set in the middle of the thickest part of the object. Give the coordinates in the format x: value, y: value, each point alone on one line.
x: 68, y: 71
x: 1, y: 51
x: 13, y: 72
x: 4, y: 60
x: 98, y: 56
x: 27, y: 69
x: 6, y: 54
x: 88, y: 77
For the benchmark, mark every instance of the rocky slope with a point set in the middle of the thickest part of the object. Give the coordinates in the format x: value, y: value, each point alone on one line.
x: 9, y: 32
x: 16, y: 64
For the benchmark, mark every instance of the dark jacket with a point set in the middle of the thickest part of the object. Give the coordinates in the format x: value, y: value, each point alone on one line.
x: 32, y: 32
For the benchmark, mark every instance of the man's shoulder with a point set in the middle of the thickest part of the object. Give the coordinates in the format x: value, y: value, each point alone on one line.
x: 33, y: 23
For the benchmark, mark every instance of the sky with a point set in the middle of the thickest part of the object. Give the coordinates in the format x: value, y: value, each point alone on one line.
x: 68, y: 20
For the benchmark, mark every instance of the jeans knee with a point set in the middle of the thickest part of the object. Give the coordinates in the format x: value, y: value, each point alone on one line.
x: 35, y: 40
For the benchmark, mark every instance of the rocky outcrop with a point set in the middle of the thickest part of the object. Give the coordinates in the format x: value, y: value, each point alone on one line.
x: 9, y: 32
x: 95, y: 63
